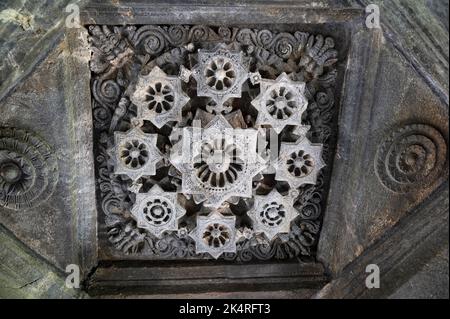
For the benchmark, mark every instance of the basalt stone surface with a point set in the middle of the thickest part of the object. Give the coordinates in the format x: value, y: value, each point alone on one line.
x: 93, y: 171
x: 45, y: 218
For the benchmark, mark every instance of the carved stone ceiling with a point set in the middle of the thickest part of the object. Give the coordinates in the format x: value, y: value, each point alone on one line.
x: 151, y: 140
x: 196, y: 111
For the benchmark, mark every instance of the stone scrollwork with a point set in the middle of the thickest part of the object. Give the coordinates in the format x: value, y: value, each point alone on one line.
x: 183, y: 167
x: 411, y: 158
x: 28, y: 169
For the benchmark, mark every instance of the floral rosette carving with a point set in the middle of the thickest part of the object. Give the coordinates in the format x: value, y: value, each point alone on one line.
x: 196, y: 76
x: 28, y: 169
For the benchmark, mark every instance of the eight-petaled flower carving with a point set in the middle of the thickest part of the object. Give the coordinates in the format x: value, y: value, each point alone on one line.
x: 299, y: 163
x: 220, y: 74
x: 217, y: 164
x: 135, y: 153
x: 280, y: 102
x: 157, y: 211
x: 215, y: 234
x: 159, y: 97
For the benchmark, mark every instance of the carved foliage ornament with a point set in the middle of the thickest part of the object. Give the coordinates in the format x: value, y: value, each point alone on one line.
x: 179, y: 113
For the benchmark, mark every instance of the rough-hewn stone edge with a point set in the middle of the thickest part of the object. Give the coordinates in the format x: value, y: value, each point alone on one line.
x: 357, y: 94
x: 197, y: 278
x: 267, y: 294
x: 46, y: 43
x: 49, y: 42
x: 78, y: 105
x: 195, y: 12
x: 421, y: 38
x: 23, y: 274
x: 399, y: 254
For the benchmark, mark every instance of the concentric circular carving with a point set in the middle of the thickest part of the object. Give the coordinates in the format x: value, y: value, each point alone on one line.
x: 220, y: 73
x: 160, y: 97
x: 300, y: 164
x: 14, y: 173
x: 411, y: 158
x: 272, y: 214
x: 157, y: 211
x: 219, y: 163
x: 217, y: 235
x: 134, y: 154
x: 28, y: 169
x: 281, y: 102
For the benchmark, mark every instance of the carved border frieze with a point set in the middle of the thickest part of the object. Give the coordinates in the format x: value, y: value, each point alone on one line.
x: 200, y: 74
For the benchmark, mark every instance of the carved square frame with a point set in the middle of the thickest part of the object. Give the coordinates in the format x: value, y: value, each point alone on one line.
x: 112, y: 276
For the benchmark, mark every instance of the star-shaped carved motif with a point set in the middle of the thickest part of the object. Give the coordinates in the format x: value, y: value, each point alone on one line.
x: 217, y: 162
x: 272, y: 214
x: 215, y: 234
x: 220, y: 74
x: 157, y: 211
x: 135, y: 153
x: 159, y: 97
x: 299, y: 163
x: 280, y: 102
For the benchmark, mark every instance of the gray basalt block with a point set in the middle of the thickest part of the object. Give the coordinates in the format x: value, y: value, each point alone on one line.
x: 102, y: 166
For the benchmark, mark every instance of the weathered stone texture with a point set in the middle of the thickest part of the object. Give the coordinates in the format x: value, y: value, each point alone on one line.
x: 382, y: 206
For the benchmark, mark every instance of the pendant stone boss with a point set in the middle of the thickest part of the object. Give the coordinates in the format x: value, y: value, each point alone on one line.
x: 210, y: 142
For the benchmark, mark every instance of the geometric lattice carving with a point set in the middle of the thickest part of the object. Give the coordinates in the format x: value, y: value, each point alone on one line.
x: 299, y: 163
x: 157, y: 211
x: 135, y: 153
x: 187, y: 87
x: 159, y: 97
x: 280, y: 102
x: 273, y: 213
x: 219, y: 74
x: 218, y: 162
x: 215, y: 234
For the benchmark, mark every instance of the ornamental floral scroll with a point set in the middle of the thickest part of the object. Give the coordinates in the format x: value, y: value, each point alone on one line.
x: 167, y: 192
